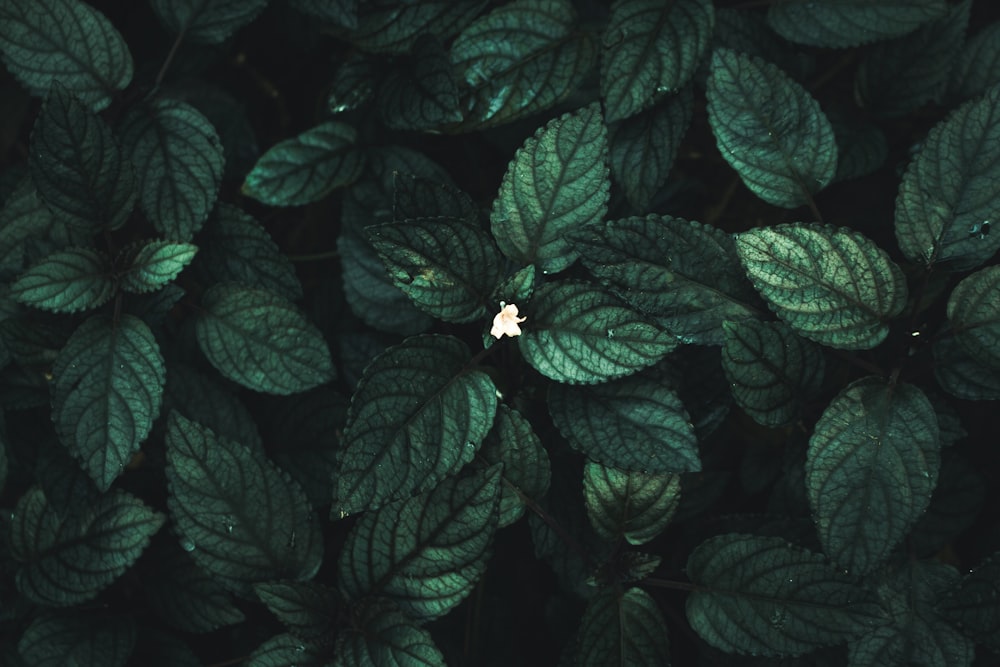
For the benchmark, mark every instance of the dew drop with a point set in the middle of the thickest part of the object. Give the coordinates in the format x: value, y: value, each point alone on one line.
x: 187, y: 545
x: 980, y: 230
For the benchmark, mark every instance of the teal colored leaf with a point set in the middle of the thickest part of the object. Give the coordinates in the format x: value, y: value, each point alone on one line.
x: 772, y: 371
x: 521, y: 58
x: 107, y: 389
x: 768, y: 597
x: 388, y: 637
x: 769, y: 129
x: 578, y: 333
x: 420, y: 197
x: 284, y: 650
x: 67, y: 41
x: 846, y: 23
x: 241, y: 519
x: 974, y: 605
x: 871, y: 467
x: 748, y: 32
x: 622, y: 629
x: 206, y: 21
x: 633, y: 505
x: 830, y: 284
x: 67, y: 560
x: 24, y: 220
x: 84, y: 639
x: 66, y: 282
x: 180, y: 162
x: 977, y: 66
x: 420, y: 93
x: 262, y: 341
x: 307, y: 167
x: 448, y: 267
x: 901, y: 75
x: 419, y: 413
x: 309, y: 610
x: 353, y: 83
x: 949, y: 197
x: 65, y: 484
x: 962, y: 375
x: 343, y: 13
x: 77, y: 166
x: 424, y: 553
x: 526, y: 467
x: 557, y: 182
x: 184, y: 595
x: 388, y: 26
x: 974, y: 311
x: 682, y: 274
x: 642, y: 148
x: 149, y: 265
x: 635, y: 423
x: 861, y: 145
x: 651, y: 48
x: 205, y: 399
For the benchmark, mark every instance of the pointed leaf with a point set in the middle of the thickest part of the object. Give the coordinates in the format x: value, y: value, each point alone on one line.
x: 206, y: 21
x: 830, y: 284
x: 420, y: 93
x: 87, y: 640
x: 387, y: 26
x: 66, y: 282
x: 309, y: 610
x: 526, y: 467
x: 186, y: 596
x: 388, y: 638
x: 846, y: 23
x: 974, y: 311
x: 152, y: 264
x: 977, y: 66
x: 622, y: 630
x: 633, y: 505
x: 974, y: 605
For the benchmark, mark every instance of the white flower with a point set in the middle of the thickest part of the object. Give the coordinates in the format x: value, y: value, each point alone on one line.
x: 506, y: 321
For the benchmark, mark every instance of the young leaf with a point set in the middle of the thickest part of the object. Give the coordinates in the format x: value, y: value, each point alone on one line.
x: 150, y: 265
x: 622, y: 629
x: 66, y: 40
x: 974, y: 311
x: 386, y: 26
x: 387, y: 637
x: 424, y: 553
x: 307, y: 609
x: 87, y: 639
x: 206, y: 22
x: 830, y: 284
x: 846, y: 23
x: 420, y: 94
x: 871, y: 467
x: 66, y: 282
x: 260, y: 340
x: 977, y: 67
x: 181, y: 162
x: 578, y: 333
x: 306, y: 168
x: 948, y: 196
x: 765, y: 596
x: 107, y: 388
x: 557, y: 182
x: 77, y: 166
x: 974, y: 605
x: 70, y: 559
x: 769, y: 129
x: 240, y: 518
x: 651, y: 48
x: 633, y: 505
x: 419, y: 414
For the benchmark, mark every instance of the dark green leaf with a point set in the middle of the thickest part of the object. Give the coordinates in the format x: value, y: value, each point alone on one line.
x: 388, y: 638
x: 66, y: 486
x: 949, y: 193
x: 424, y: 553
x: 420, y: 197
x: 389, y: 26
x: 748, y: 32
x: 260, y: 340
x: 307, y: 167
x: 846, y: 23
x: 974, y: 605
x: 962, y: 375
x: 84, y: 640
x: 66, y: 282
x: 149, y: 265
x: 180, y: 163
x: 420, y: 93
x: 765, y: 596
x: 340, y: 12
x: 622, y: 629
x: 862, y: 147
x: 419, y: 414
x: 67, y: 41
x: 974, y: 311
x: 69, y: 560
x: 871, y: 467
x: 240, y: 518
x: 29, y: 231
x: 526, y: 468
x: 78, y: 167
x: 977, y: 67
x: 830, y: 284
x: 157, y: 648
x: 206, y: 21
x: 286, y: 651
x: 769, y: 129
x: 955, y: 506
x: 651, y: 48
x: 521, y: 58
x: 353, y: 83
x: 108, y: 386
x: 307, y: 609
x: 154, y: 308
x: 204, y: 399
x: 578, y: 333
x: 633, y: 505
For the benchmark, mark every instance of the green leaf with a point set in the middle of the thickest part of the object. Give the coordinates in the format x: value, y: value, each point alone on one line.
x: 343, y: 13
x: 861, y: 145
x: 521, y: 58
x: 420, y: 197
x: 622, y: 629
x: 748, y: 32
x: 962, y: 375
x: 772, y: 371
x: 578, y: 333
x: 765, y: 596
x: 241, y: 519
x: 78, y: 167
x: 66, y: 282
x: 526, y: 467
x: 307, y: 609
x: 629, y: 504
x: 769, y: 129
x: 69, y: 560
x: 419, y: 413
x: 949, y: 193
x: 67, y: 41
x: 387, y: 637
x: 683, y: 274
x: 353, y: 83
x: 181, y: 162
x: 642, y: 148
x: 306, y: 168
x: 974, y: 311
x: 830, y: 284
x: 206, y: 21
x: 149, y: 265
x: 424, y: 553
x: 286, y: 651
x: 108, y: 386
x: 974, y: 605
x: 206, y: 400
x: 636, y: 423
x: 260, y: 340
x: 82, y: 639
x: 846, y: 23
x: 871, y: 467
x: 651, y: 48
x: 420, y: 93
x: 388, y: 26
x: 448, y: 266
x: 977, y: 66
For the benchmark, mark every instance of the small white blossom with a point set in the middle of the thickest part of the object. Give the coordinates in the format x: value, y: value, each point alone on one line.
x: 506, y: 321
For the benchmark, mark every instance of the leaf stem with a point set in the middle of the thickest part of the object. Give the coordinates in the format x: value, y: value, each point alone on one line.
x: 668, y: 583
x: 174, y: 48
